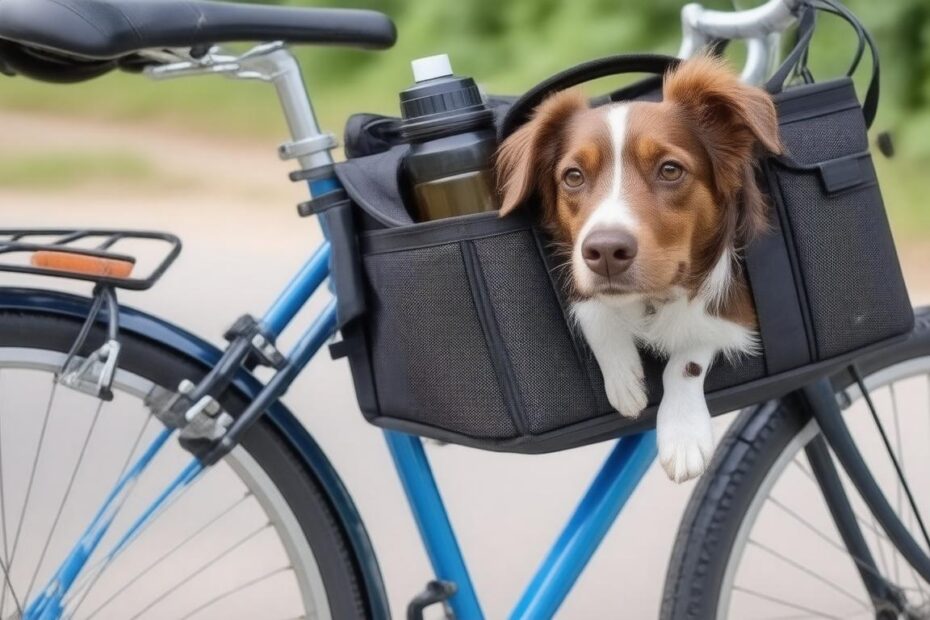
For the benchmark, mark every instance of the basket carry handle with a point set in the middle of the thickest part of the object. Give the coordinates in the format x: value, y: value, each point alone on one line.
x: 659, y: 64
x: 523, y: 107
x: 796, y: 60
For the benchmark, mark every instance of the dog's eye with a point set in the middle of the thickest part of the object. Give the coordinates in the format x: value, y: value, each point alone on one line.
x: 573, y: 178
x: 670, y: 171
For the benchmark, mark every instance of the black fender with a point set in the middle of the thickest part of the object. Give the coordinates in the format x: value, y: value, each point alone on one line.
x: 184, y: 343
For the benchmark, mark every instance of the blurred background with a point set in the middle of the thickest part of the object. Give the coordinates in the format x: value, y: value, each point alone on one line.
x: 197, y: 157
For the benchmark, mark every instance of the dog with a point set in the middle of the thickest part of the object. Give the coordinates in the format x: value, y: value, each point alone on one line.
x: 651, y: 203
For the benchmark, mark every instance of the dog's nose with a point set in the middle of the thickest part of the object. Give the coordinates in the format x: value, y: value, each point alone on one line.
x: 609, y: 251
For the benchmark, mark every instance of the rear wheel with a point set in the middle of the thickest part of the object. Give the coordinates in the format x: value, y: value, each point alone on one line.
x: 759, y: 540
x: 252, y: 537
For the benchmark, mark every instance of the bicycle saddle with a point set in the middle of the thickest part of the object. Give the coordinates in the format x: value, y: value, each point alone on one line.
x: 109, y: 29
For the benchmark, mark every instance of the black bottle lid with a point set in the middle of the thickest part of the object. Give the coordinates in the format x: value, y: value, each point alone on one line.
x: 440, y: 103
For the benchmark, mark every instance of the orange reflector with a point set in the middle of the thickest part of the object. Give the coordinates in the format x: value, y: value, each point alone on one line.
x: 82, y: 263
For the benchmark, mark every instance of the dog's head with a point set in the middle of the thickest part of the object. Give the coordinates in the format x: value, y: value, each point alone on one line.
x: 646, y: 196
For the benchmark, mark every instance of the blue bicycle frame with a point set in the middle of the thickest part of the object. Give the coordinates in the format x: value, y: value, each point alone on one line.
x: 599, y: 507
x: 613, y: 485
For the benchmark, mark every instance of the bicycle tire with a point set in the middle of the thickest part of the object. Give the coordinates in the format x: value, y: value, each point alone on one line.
x: 269, y: 449
x: 759, y: 438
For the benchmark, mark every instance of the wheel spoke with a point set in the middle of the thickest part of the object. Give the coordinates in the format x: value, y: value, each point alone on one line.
x: 64, y: 500
x: 43, y: 497
x: 838, y: 546
x: 235, y: 590
x: 202, y: 567
x: 7, y: 582
x: 809, y: 573
x: 6, y: 547
x: 880, y: 544
x: 859, y: 518
x: 91, y: 572
x: 32, y: 476
x: 75, y: 562
x: 164, y: 556
x: 789, y: 604
x: 909, y: 516
x: 894, y: 461
x: 168, y: 498
x: 898, y: 494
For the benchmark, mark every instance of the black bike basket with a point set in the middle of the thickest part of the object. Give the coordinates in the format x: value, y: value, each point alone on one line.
x: 457, y: 329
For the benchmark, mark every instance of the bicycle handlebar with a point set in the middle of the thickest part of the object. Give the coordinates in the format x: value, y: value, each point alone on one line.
x: 761, y: 27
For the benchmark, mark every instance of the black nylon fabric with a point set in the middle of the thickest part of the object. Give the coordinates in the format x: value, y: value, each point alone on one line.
x: 431, y: 363
x: 552, y: 382
x: 481, y: 350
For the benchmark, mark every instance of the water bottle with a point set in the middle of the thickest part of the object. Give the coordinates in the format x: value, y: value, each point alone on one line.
x: 452, y: 139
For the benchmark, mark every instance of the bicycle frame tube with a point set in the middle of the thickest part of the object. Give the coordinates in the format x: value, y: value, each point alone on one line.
x: 612, y: 487
x: 298, y: 291
x: 436, y: 531
x: 598, y: 509
x: 619, y: 476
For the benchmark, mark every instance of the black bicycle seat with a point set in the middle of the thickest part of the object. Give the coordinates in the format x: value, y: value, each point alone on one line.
x: 109, y: 29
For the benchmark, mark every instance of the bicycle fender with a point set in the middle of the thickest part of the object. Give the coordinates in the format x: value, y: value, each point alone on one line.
x: 184, y: 343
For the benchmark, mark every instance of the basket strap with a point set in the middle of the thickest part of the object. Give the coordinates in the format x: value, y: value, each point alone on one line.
x: 523, y: 108
x: 797, y: 57
x: 870, y: 102
x: 805, y: 33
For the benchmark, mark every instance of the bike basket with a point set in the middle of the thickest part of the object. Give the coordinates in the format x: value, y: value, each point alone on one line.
x: 457, y: 329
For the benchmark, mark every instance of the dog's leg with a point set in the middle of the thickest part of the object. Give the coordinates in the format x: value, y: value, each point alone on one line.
x: 685, y: 437
x: 610, y: 336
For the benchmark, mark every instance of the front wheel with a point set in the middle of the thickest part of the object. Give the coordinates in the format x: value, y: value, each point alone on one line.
x: 759, y: 539
x: 252, y: 537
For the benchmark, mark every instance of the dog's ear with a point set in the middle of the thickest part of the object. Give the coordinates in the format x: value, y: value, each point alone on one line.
x: 735, y: 121
x: 525, y: 160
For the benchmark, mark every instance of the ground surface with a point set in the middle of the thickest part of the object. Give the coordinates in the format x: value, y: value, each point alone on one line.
x: 234, y: 208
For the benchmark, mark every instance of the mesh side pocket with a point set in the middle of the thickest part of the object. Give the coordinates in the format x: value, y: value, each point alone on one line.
x: 827, y: 136
x: 836, y: 223
x: 430, y: 358
x: 550, y: 378
x: 846, y: 255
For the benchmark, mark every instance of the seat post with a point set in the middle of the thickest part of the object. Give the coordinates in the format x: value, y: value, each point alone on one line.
x: 269, y: 62
x: 310, y: 146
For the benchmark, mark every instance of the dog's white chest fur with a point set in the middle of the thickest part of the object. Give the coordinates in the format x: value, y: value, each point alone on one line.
x: 681, y: 329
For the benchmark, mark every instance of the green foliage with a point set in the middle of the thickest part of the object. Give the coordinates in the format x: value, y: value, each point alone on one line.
x: 507, y: 46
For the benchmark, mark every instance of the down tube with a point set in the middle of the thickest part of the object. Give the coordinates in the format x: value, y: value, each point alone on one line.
x: 619, y: 476
x: 433, y: 522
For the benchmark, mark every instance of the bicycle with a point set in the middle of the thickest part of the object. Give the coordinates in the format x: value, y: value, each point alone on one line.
x: 270, y: 483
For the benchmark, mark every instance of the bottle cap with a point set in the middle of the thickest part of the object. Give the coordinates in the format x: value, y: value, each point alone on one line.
x: 431, y: 67
x: 440, y: 103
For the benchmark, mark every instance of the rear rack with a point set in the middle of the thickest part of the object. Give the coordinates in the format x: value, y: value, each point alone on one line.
x: 88, y: 254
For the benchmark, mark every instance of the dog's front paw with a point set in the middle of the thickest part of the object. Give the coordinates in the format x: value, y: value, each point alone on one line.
x: 626, y: 392
x: 686, y: 442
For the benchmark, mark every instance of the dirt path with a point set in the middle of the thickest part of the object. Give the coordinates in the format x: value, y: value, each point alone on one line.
x: 198, y: 164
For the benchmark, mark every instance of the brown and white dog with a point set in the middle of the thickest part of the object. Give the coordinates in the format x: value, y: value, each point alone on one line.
x: 651, y: 203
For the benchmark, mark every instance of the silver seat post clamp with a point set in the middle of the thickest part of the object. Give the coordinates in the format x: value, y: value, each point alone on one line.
x: 297, y: 149
x: 269, y: 62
